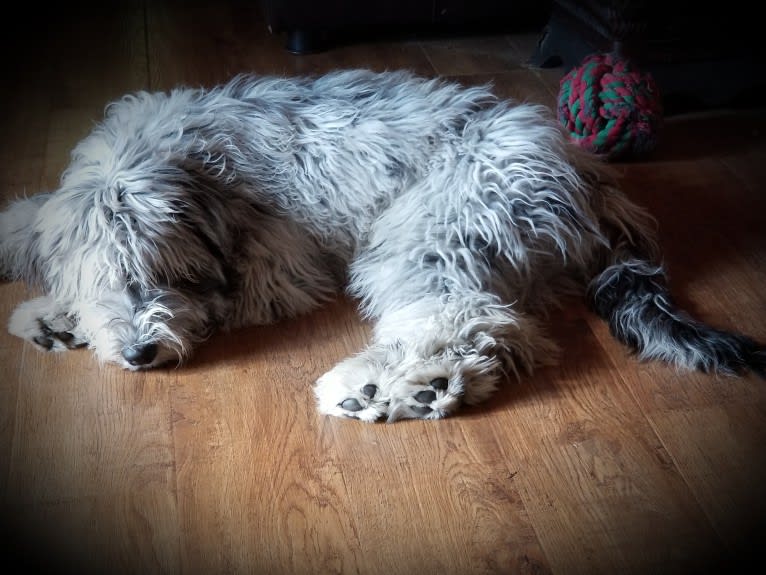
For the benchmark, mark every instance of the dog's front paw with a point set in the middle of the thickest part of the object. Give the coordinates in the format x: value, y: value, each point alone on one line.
x: 42, y: 323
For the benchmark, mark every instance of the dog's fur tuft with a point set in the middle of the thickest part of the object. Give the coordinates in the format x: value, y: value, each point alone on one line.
x: 456, y: 219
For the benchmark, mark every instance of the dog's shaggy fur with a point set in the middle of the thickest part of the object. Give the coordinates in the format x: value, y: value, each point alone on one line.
x: 455, y: 218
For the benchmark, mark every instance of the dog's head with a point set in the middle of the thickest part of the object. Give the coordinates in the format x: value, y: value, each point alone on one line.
x: 140, y: 236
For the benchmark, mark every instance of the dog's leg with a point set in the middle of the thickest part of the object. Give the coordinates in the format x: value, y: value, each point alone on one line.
x: 429, y: 357
x: 47, y: 324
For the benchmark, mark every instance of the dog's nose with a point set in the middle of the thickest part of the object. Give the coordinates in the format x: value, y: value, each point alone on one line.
x: 140, y: 354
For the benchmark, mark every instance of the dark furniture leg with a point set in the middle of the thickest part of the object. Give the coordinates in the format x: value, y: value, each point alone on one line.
x: 305, y: 41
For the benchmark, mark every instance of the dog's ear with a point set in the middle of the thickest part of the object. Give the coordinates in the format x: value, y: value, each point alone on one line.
x: 19, y: 249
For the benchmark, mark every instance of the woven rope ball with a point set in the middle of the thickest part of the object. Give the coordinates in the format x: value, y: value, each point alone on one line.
x: 610, y: 108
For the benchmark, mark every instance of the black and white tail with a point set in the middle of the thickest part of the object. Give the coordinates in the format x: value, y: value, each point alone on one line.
x: 633, y: 297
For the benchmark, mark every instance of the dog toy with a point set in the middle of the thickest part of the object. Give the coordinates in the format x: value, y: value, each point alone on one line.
x: 610, y: 107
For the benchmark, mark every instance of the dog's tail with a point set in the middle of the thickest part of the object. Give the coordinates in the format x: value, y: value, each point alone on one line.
x: 631, y: 293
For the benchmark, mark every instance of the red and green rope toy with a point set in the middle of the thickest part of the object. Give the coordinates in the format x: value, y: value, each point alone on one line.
x: 610, y: 108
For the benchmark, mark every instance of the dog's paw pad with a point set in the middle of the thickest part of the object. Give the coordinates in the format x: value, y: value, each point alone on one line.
x: 441, y: 383
x: 370, y: 390
x: 43, y: 341
x: 64, y: 337
x: 367, y: 393
x: 433, y: 401
x: 340, y: 394
x: 364, y: 403
x: 425, y: 396
x: 351, y: 404
x: 51, y: 340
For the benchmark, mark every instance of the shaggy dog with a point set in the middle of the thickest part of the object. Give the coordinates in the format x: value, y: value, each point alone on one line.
x: 455, y: 218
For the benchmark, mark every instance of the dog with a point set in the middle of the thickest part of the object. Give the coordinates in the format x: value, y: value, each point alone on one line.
x: 457, y: 219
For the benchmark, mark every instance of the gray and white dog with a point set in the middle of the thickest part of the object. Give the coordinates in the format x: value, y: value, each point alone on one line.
x: 457, y: 219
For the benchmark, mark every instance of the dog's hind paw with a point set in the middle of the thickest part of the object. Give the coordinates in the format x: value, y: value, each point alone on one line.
x: 433, y: 383
x: 353, y: 389
x: 395, y: 383
x: 42, y: 323
x: 434, y: 399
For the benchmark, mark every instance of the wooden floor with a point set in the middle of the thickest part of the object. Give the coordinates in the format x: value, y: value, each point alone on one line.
x: 603, y: 465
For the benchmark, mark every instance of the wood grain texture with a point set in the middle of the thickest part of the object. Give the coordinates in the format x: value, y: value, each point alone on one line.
x: 602, y: 465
